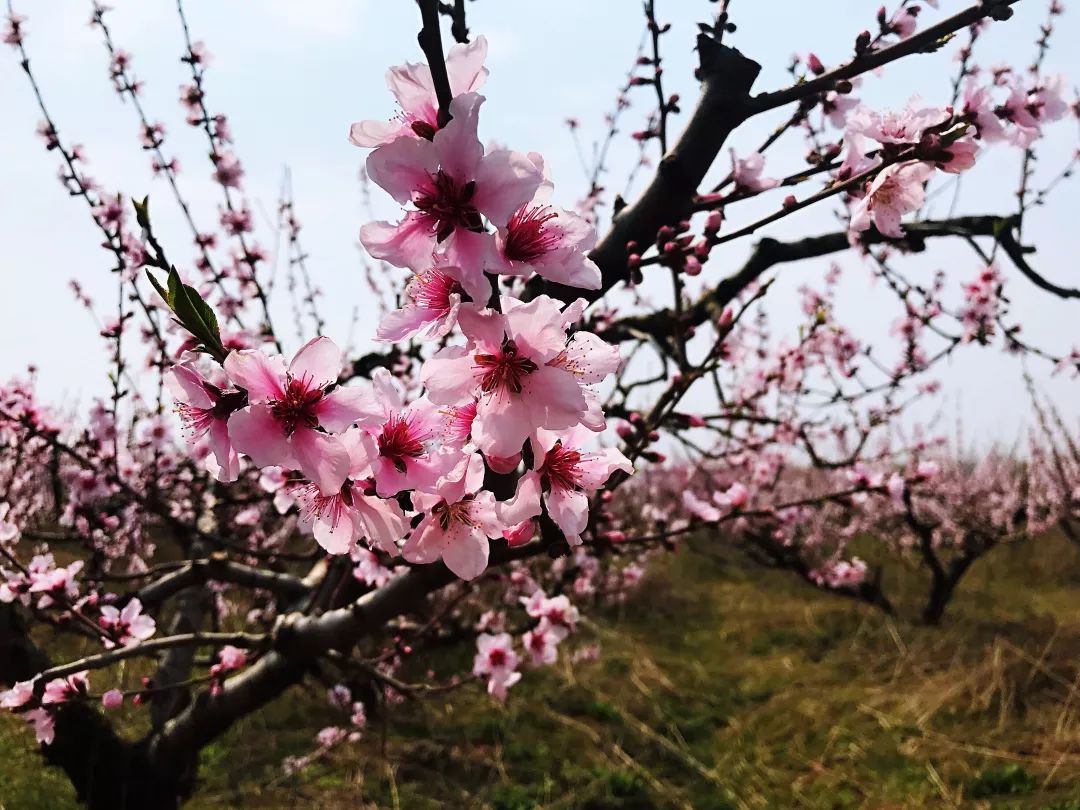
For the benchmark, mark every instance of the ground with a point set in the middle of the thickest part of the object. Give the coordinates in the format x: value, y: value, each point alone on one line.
x: 720, y: 685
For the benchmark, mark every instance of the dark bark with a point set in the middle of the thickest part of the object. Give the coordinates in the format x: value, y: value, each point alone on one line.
x: 726, y: 78
x: 769, y: 253
x: 107, y: 772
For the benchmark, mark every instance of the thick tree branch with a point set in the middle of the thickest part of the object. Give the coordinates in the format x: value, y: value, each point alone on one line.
x: 430, y: 39
x: 726, y: 78
x: 85, y: 745
x: 220, y: 569
x: 769, y: 252
x: 725, y: 103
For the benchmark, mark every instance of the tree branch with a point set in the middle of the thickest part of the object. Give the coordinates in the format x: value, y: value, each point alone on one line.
x: 726, y: 78
x: 430, y: 39
x: 100, y: 660
x: 220, y: 569
x: 928, y: 39
x: 770, y: 252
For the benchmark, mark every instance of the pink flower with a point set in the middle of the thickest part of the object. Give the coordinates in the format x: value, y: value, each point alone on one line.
x: 340, y: 519
x: 9, y: 532
x: 736, y: 496
x: 959, y: 156
x: 55, y: 583
x: 113, y: 699
x: 563, y: 475
x: 230, y: 658
x: 331, y: 736
x: 368, y: 568
x: 978, y: 109
x: 905, y: 21
x: 293, y: 410
x: 856, y: 159
x: 63, y: 690
x: 840, y: 573
x: 541, y: 645
x: 896, y: 487
x: 432, y: 299
x: 21, y: 694
x: 460, y: 518
x: 927, y: 470
x: 701, y: 509
x: 548, y: 241
x: 895, y: 191
x: 452, y: 185
x: 747, y: 173
x: 227, y: 170
x: 520, y: 534
x: 905, y: 127
x: 405, y: 444
x: 415, y: 93
x: 522, y: 373
x: 13, y: 33
x: 44, y: 725
x: 835, y: 107
x: 18, y: 695
x: 204, y: 409
x: 496, y: 660
x: 129, y: 625
x: 557, y: 615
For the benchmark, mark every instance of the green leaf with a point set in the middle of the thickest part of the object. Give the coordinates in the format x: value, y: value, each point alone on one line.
x: 161, y: 290
x: 142, y: 212
x: 195, y: 314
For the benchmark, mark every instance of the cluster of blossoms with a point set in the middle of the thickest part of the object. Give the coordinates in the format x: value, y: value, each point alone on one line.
x: 917, y: 141
x: 519, y: 380
x: 553, y: 619
x: 39, y: 704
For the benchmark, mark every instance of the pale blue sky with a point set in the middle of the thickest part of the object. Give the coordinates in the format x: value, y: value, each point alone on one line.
x: 293, y: 75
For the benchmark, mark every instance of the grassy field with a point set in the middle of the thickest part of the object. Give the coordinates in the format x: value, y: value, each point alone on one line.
x: 720, y: 686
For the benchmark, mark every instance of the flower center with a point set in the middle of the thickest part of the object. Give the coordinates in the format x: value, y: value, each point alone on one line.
x: 432, y: 290
x: 503, y: 371
x: 497, y: 657
x: 450, y: 513
x: 526, y: 237
x: 398, y: 443
x: 447, y: 205
x: 561, y: 467
x: 297, y: 407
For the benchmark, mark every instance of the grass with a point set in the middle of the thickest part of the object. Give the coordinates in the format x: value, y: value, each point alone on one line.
x: 720, y: 686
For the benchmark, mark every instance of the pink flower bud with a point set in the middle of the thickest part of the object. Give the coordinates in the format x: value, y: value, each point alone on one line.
x: 113, y: 699
x: 737, y: 495
x: 714, y: 220
x: 615, y: 536
x: 692, y: 267
x: 520, y: 534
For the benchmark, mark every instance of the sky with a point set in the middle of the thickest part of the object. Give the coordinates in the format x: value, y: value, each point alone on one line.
x: 292, y: 76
